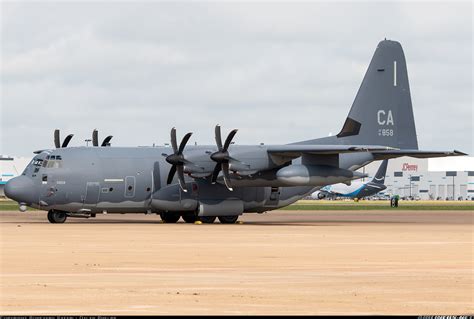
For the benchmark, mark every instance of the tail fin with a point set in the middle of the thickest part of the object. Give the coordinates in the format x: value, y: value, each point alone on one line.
x: 379, y: 177
x: 382, y: 113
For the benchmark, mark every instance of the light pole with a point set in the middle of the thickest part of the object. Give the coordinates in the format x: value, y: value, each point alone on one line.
x: 453, y: 187
x: 410, y: 184
x: 87, y: 141
x: 453, y: 174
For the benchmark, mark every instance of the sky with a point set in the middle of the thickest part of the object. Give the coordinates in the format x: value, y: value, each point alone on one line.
x: 280, y: 72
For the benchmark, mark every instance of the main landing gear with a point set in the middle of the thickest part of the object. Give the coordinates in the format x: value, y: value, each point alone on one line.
x: 170, y: 217
x: 191, y: 217
x: 228, y: 219
x: 56, y: 217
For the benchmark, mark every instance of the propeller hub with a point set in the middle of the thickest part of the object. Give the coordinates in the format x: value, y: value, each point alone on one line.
x: 220, y: 157
x: 175, y: 159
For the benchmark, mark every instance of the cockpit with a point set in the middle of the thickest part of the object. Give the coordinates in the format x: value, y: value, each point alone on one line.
x: 41, y: 161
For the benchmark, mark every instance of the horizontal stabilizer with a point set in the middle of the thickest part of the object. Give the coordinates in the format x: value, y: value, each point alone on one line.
x: 380, y: 155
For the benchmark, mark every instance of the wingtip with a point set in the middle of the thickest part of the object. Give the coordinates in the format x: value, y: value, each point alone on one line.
x: 459, y: 153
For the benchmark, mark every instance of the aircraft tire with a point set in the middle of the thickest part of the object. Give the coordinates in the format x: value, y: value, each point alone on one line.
x: 189, y: 217
x: 170, y: 217
x: 228, y: 219
x: 50, y: 217
x: 56, y: 217
x: 207, y: 219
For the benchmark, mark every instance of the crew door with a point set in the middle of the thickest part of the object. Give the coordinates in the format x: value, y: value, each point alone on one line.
x: 130, y: 186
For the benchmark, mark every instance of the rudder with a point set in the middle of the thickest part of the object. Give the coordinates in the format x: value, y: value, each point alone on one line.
x: 379, y: 177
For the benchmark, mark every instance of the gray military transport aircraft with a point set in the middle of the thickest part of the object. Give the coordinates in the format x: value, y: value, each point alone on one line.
x: 226, y: 180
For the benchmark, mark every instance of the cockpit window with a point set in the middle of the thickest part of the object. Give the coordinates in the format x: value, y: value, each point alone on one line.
x: 38, y: 162
x: 53, y: 161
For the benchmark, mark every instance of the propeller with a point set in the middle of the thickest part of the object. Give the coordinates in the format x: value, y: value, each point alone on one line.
x: 222, y: 157
x: 177, y: 159
x: 95, y: 139
x: 57, y: 139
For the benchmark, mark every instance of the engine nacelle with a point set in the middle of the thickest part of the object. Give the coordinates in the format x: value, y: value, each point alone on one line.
x: 315, y: 175
x: 172, y: 198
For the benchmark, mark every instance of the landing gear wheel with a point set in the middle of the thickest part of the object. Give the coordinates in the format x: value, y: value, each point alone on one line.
x: 189, y: 217
x: 50, y: 217
x: 170, y: 217
x: 207, y: 219
x: 228, y: 219
x: 56, y: 217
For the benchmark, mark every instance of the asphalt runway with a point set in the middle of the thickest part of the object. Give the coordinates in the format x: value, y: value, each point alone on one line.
x: 282, y: 262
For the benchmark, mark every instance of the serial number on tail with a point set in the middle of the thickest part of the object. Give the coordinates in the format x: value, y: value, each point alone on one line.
x: 386, y: 132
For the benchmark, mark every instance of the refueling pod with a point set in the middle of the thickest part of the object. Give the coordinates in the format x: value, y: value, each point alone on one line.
x: 315, y: 175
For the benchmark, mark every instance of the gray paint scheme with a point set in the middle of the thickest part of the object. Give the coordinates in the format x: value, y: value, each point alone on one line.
x: 90, y: 180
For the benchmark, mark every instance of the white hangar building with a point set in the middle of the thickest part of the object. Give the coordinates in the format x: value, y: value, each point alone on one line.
x: 433, y: 178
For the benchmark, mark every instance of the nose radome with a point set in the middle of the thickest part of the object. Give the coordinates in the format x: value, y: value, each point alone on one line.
x: 20, y: 189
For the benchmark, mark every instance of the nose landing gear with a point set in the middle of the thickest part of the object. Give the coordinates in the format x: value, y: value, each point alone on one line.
x: 56, y: 217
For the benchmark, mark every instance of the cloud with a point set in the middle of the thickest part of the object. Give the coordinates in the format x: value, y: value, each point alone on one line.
x: 280, y: 72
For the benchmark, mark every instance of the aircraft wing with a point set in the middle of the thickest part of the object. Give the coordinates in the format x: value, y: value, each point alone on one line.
x: 296, y: 150
x: 380, y: 155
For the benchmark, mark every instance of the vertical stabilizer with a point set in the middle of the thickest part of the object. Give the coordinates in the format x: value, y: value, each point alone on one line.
x: 379, y: 177
x: 382, y: 112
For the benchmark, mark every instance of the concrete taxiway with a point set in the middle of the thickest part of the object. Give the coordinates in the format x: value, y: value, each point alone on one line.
x: 283, y: 262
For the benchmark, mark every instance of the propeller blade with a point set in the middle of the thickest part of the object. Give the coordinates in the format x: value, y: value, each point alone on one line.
x: 183, y: 142
x: 174, y: 143
x: 182, y: 183
x: 95, y: 138
x: 225, y: 170
x: 57, y: 142
x: 67, y: 140
x: 171, y: 174
x: 106, y: 141
x: 215, y: 173
x: 218, y: 137
x: 229, y: 138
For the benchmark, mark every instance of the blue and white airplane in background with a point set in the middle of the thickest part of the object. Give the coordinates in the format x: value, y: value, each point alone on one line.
x: 356, y: 189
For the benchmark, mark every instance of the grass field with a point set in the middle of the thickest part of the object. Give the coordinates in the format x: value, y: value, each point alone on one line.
x: 8, y: 205
x: 382, y: 204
